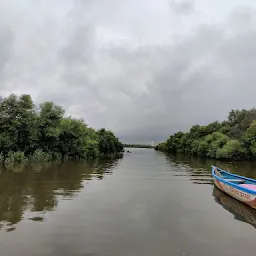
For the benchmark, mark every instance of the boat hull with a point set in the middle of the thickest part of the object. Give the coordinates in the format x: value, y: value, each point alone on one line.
x: 238, y: 194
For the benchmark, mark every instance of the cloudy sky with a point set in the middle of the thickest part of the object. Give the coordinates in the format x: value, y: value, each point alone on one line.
x: 142, y: 68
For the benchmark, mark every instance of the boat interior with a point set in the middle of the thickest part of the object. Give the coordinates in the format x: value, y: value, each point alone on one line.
x: 243, y: 182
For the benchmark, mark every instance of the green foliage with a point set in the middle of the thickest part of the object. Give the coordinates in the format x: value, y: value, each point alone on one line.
x: 15, y: 157
x: 92, y: 148
x: 215, y: 141
x: 233, y: 149
x: 234, y: 138
x: 108, y: 143
x: 72, y: 140
x: 40, y: 156
x: 161, y: 146
x: 249, y: 139
x: 251, y: 131
x: 253, y: 149
x: 240, y: 121
x: 202, y: 148
x: 42, y: 133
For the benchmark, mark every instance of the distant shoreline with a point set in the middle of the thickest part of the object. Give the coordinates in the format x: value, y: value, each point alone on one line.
x: 137, y: 146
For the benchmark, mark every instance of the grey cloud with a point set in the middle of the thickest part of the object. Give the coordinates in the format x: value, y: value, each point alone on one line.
x: 79, y: 50
x: 6, y: 39
x: 6, y: 43
x: 182, y: 6
x: 146, y: 86
x: 197, y: 81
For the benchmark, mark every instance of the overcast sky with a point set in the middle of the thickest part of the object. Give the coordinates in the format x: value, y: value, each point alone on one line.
x: 142, y: 68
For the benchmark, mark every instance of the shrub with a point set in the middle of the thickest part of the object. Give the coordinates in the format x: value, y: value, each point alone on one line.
x: 233, y: 149
x: 15, y: 157
x: 161, y: 146
x: 40, y: 156
x: 253, y: 149
x: 202, y: 148
x: 216, y: 141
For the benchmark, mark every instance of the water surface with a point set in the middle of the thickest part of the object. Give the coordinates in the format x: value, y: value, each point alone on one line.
x: 143, y: 204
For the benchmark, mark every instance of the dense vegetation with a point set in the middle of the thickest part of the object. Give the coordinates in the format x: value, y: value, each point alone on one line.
x: 234, y: 138
x: 137, y: 146
x: 43, y: 133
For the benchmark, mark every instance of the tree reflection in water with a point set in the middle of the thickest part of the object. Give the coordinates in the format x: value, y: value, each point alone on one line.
x: 37, y: 188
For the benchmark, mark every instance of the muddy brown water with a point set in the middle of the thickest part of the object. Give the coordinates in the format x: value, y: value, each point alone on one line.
x: 145, y: 204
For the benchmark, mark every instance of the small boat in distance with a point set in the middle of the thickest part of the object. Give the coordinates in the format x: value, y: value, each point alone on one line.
x: 241, y: 188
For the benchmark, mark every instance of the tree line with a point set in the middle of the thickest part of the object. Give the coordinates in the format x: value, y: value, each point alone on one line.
x: 234, y: 138
x: 43, y: 133
x: 137, y: 146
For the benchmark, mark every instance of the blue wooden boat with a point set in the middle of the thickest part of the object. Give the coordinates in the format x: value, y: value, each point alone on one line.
x: 239, y: 187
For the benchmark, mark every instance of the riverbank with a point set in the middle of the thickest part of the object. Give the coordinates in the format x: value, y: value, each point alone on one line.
x: 232, y: 139
x: 42, y: 133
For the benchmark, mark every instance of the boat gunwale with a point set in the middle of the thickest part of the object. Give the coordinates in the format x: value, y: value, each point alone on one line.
x: 246, y: 190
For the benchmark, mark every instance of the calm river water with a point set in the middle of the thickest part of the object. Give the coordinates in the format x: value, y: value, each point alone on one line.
x: 145, y: 204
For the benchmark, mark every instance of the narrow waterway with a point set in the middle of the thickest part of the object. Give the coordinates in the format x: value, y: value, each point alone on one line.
x: 145, y: 204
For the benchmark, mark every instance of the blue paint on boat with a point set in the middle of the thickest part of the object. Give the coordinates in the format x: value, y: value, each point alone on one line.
x: 226, y: 178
